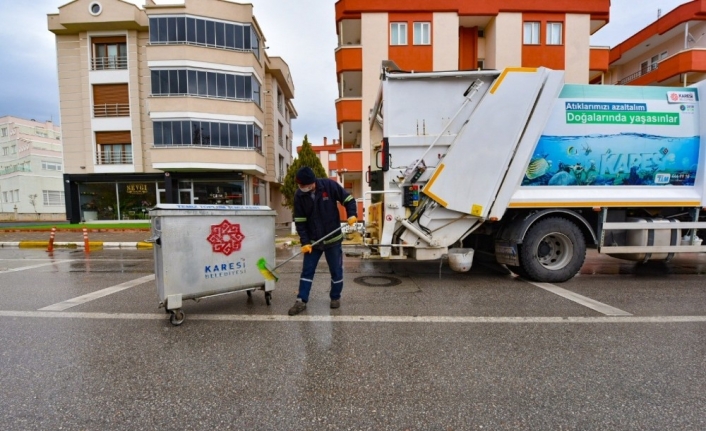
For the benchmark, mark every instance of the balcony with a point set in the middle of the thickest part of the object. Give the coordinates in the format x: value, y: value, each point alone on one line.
x: 349, y: 109
x: 349, y: 160
x: 109, y: 63
x: 15, y: 168
x: 690, y: 61
x: 349, y: 58
x: 111, y: 110
x: 199, y: 158
x: 599, y: 59
x: 114, y: 158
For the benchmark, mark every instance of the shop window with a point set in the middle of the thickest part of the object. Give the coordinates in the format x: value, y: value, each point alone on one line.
x: 135, y: 199
x: 259, y: 196
x: 219, y: 193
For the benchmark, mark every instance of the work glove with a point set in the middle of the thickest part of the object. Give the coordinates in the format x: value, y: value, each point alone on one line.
x: 352, y: 220
x: 306, y: 249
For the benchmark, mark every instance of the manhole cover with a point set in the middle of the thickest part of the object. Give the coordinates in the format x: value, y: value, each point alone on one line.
x: 377, y: 281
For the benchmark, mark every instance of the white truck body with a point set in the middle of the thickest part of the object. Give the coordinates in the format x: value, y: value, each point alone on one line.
x: 534, y: 167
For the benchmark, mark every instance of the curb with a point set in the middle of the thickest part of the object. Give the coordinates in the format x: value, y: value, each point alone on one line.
x: 93, y: 245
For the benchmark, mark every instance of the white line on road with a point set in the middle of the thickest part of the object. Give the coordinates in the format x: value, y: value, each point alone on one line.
x: 582, y: 300
x: 24, y: 268
x: 61, y: 306
x: 359, y: 319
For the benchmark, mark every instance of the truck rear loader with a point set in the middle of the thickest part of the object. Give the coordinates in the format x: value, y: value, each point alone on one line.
x: 519, y: 164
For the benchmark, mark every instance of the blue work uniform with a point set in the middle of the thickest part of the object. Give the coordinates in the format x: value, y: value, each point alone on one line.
x: 315, y: 216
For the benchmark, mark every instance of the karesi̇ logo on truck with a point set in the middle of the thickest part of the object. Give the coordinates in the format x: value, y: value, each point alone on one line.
x: 681, y: 97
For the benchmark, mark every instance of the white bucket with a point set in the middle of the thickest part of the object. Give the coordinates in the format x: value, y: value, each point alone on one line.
x: 686, y: 240
x: 460, y: 259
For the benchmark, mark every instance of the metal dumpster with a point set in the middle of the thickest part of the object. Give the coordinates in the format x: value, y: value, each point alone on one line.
x: 208, y: 250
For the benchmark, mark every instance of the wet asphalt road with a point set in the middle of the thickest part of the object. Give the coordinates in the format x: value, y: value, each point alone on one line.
x: 434, y: 351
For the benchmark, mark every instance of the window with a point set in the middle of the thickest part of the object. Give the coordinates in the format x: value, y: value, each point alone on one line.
x: 95, y: 8
x: 51, y: 166
x: 554, y: 30
x: 206, y: 84
x: 196, y: 31
x: 280, y: 132
x: 398, y: 33
x: 111, y: 100
x: 332, y: 173
x: 280, y: 101
x: 531, y: 33
x: 258, y: 191
x: 332, y: 157
x: 109, y: 53
x: 16, y: 195
x: 113, y: 148
x: 3, y: 132
x: 422, y: 34
x: 53, y: 198
x: 206, y: 134
x: 663, y: 55
x: 282, y: 172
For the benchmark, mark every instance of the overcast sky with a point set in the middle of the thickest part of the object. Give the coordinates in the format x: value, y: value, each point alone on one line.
x: 302, y: 32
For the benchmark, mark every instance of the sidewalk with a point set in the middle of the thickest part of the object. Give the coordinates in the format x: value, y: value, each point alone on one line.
x: 98, y: 238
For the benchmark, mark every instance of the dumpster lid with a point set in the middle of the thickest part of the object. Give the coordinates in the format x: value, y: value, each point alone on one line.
x: 211, y: 207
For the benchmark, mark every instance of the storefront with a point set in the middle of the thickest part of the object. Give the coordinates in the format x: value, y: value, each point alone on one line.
x: 130, y: 196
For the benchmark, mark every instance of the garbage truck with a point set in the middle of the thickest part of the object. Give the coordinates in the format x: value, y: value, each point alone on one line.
x: 519, y: 164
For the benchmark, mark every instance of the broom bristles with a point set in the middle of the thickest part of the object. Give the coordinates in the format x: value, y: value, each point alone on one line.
x: 265, y: 271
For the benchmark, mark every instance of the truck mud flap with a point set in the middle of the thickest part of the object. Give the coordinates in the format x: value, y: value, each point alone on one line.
x: 506, y: 253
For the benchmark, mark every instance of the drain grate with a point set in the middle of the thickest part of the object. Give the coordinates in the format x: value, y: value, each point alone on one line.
x: 377, y: 281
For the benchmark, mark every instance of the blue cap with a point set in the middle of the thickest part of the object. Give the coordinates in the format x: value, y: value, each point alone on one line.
x: 305, y: 176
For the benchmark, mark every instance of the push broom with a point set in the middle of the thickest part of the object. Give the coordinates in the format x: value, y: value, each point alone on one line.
x: 270, y: 274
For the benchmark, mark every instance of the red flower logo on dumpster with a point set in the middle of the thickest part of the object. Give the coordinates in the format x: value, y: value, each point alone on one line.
x: 226, y: 237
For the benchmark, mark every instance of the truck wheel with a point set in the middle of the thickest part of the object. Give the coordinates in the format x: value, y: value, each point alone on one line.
x: 553, y: 250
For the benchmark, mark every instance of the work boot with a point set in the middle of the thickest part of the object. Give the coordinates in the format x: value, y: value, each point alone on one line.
x: 335, y: 303
x: 297, y: 308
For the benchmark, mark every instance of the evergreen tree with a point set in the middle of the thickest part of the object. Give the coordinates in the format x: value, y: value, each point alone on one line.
x: 306, y: 157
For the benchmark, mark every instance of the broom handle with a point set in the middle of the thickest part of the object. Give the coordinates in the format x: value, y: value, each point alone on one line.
x: 312, y: 244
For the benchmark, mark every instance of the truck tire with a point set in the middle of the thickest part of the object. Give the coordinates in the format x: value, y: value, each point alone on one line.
x: 553, y: 250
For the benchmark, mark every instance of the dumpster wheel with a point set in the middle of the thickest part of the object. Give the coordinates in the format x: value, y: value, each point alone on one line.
x: 268, y: 298
x: 177, y: 316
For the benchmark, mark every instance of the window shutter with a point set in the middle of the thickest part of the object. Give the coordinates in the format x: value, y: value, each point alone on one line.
x: 110, y: 94
x: 113, y: 138
x: 111, y: 40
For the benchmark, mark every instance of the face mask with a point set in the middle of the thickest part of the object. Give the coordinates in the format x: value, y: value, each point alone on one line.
x: 306, y: 189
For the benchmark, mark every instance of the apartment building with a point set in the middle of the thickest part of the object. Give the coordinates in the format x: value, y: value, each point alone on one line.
x: 671, y: 51
x: 445, y: 35
x: 31, y: 183
x: 174, y: 103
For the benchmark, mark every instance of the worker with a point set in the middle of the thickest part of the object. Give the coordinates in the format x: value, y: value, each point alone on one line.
x: 315, y: 216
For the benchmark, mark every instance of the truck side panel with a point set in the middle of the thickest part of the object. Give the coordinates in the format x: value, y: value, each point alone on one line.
x: 481, y: 155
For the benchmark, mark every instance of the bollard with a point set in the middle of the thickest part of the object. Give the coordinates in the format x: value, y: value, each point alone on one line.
x: 86, y: 248
x: 51, y: 240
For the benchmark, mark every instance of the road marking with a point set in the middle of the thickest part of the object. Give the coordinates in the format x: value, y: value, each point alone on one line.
x: 24, y: 268
x: 61, y: 306
x: 582, y: 300
x: 358, y: 319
